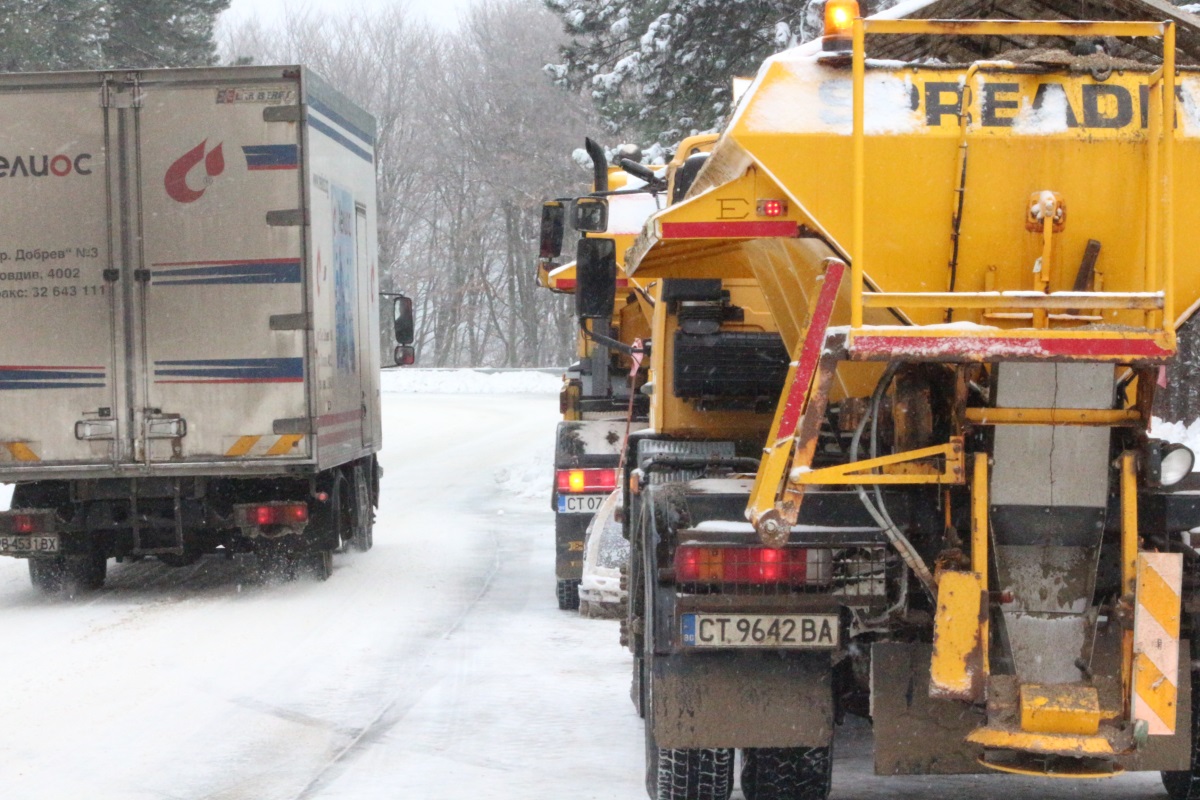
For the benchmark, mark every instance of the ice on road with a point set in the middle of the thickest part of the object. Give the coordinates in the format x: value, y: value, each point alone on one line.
x: 436, y: 666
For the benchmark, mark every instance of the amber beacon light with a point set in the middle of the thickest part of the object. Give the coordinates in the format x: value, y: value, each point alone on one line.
x: 839, y: 23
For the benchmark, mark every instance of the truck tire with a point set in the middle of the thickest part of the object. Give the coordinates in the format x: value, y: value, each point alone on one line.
x: 568, y: 595
x: 362, y: 523
x: 787, y: 773
x: 687, y: 774
x: 46, y: 574
x: 85, y: 573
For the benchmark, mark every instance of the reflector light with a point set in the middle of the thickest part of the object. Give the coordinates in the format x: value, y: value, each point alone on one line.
x: 760, y: 565
x: 772, y: 208
x: 579, y: 481
x: 24, y: 523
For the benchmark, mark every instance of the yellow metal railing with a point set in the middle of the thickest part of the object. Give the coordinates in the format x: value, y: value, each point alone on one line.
x: 1159, y: 271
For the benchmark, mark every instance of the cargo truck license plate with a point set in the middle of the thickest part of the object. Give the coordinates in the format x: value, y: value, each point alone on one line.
x: 24, y: 545
x: 579, y: 503
x: 811, y: 631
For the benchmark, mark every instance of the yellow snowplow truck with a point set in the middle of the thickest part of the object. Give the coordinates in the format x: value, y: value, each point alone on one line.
x: 599, y: 401
x: 951, y: 516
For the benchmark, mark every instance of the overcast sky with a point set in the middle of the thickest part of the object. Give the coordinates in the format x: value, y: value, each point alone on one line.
x: 443, y: 13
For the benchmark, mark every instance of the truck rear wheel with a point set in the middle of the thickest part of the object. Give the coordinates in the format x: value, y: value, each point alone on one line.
x: 568, y: 595
x: 787, y: 773
x: 46, y: 574
x: 362, y: 522
x: 73, y: 574
x: 685, y: 774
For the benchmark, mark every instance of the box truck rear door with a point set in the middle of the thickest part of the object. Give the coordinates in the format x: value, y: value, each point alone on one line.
x: 224, y: 315
x: 59, y: 380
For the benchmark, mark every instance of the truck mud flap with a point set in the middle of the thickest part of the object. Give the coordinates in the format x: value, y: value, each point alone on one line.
x: 742, y: 700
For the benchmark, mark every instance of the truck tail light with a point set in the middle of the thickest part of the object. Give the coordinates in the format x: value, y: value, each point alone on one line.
x: 27, y: 522
x: 277, y: 514
x: 746, y: 565
x: 579, y: 481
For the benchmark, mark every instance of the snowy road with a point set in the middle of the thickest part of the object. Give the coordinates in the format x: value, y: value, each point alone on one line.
x: 437, y: 666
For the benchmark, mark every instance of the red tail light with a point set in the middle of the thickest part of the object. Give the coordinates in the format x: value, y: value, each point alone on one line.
x: 697, y: 564
x: 278, y: 514
x: 772, y: 208
x: 578, y: 481
x: 24, y: 523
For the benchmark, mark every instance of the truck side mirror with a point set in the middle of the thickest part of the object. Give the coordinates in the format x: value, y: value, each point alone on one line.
x: 590, y: 214
x: 404, y: 355
x: 595, y: 278
x: 554, y: 216
x: 402, y: 313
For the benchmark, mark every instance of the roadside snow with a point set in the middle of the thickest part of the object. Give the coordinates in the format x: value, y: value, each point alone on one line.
x: 470, y: 381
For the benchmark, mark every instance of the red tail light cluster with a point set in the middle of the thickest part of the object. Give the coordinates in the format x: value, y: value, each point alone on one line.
x: 278, y: 514
x: 579, y: 481
x: 761, y: 565
x: 25, y: 523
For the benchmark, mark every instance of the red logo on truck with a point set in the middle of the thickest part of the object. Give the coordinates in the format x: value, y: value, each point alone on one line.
x: 176, y: 180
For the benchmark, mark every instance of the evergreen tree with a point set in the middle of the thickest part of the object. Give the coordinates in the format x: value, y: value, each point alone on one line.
x: 161, y: 33
x: 664, y: 68
x: 94, y: 34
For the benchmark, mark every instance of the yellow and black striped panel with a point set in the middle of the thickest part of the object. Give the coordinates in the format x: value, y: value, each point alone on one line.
x: 263, y: 446
x: 23, y: 452
x: 1156, y: 641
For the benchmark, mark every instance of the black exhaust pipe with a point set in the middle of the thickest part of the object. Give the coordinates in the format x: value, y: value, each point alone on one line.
x: 599, y: 165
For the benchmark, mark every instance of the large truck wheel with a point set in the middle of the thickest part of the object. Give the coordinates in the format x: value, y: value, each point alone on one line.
x: 362, y: 523
x: 46, y: 574
x: 692, y: 773
x: 685, y: 774
x: 787, y: 773
x: 568, y: 595
x: 86, y: 572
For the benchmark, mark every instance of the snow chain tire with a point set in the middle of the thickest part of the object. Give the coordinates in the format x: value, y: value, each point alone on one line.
x: 787, y: 773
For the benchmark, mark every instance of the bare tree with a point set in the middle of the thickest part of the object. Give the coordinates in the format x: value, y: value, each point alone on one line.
x: 472, y: 137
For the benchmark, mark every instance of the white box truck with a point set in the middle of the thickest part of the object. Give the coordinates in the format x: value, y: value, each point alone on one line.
x: 189, y: 344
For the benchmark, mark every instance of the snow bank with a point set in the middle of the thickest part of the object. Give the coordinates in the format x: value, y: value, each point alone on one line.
x: 470, y: 381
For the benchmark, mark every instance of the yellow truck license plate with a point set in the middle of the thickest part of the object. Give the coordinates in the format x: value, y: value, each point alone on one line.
x: 807, y: 631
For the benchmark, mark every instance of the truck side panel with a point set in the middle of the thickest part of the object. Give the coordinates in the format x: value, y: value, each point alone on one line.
x: 340, y: 145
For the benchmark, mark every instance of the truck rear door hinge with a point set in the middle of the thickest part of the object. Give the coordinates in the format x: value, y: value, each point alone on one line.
x: 282, y: 114
x: 291, y: 322
x: 141, y: 275
x: 293, y: 425
x: 292, y: 217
